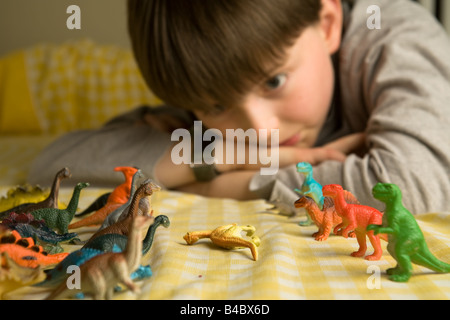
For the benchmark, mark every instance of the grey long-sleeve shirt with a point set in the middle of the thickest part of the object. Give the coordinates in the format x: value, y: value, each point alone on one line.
x: 393, y: 84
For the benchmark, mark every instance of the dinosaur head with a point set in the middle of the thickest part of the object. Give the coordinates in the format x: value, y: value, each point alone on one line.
x: 127, y: 171
x: 332, y: 190
x: 386, y: 192
x: 164, y: 220
x: 304, y: 167
x: 303, y: 202
x: 82, y: 185
x: 64, y: 173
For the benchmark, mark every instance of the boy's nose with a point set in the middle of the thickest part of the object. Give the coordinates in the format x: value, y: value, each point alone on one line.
x: 259, y: 114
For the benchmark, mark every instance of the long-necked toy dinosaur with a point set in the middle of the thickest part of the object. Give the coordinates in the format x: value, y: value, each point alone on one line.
x: 406, y: 242
x: 100, y: 274
x: 50, y: 202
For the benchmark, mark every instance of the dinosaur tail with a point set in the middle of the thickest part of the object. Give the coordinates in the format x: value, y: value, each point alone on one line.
x: 95, y: 219
x: 96, y: 205
x: 427, y: 259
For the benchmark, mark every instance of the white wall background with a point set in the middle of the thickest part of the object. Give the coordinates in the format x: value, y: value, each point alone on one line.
x: 24, y: 23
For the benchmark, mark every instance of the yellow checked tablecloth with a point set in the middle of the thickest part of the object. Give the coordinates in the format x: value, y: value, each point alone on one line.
x: 291, y: 264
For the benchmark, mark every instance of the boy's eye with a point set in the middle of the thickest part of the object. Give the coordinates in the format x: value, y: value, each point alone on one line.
x: 276, y: 82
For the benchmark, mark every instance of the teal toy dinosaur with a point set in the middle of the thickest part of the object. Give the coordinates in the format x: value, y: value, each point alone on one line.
x: 107, y: 242
x: 406, y: 242
x: 59, y: 219
x: 310, y: 188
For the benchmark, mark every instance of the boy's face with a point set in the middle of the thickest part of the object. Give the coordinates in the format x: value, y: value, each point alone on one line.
x: 296, y: 99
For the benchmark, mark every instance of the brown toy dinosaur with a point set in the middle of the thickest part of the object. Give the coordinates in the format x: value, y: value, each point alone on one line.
x: 122, y: 226
x: 356, y: 217
x: 25, y: 253
x: 325, y: 219
x: 118, y: 197
x: 50, y: 202
x: 100, y: 274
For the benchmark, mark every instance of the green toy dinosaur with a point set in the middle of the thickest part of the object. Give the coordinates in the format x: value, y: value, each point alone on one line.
x: 406, y: 242
x: 59, y: 219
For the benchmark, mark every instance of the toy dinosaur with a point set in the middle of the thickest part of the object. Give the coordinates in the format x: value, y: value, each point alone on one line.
x: 21, y: 194
x: 14, y: 276
x: 114, y: 216
x: 118, y: 197
x: 25, y: 253
x: 122, y: 226
x: 27, y: 226
x: 50, y: 202
x: 356, y: 217
x: 406, y: 242
x: 59, y: 219
x: 327, y: 218
x: 100, y: 274
x: 228, y: 237
x: 107, y: 242
x: 59, y: 273
x: 310, y: 188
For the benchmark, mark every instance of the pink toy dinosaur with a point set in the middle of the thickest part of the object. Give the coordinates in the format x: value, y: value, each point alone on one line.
x: 356, y: 217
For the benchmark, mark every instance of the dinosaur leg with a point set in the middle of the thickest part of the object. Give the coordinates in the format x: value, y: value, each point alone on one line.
x: 375, y: 241
x: 402, y: 272
x: 306, y: 222
x: 361, y: 237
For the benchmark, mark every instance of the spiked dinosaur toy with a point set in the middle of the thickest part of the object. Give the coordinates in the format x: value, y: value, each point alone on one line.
x: 25, y: 253
x: 118, y: 197
x: 406, y: 242
x: 356, y: 217
x: 101, y: 274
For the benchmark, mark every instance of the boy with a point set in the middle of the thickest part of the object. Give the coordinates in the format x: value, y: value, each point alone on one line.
x: 362, y: 105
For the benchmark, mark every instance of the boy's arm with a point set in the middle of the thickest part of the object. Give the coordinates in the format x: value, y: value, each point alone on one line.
x: 395, y: 82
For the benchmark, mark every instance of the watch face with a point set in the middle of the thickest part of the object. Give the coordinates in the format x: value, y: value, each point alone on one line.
x: 204, y: 172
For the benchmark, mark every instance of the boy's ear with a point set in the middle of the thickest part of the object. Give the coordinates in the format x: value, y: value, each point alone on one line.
x: 331, y: 19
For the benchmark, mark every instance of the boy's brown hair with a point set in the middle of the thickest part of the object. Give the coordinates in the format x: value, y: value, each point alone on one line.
x: 206, y: 54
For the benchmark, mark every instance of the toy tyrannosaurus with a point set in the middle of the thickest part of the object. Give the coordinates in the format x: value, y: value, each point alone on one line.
x: 310, y: 188
x: 325, y: 219
x: 406, y: 242
x: 356, y: 217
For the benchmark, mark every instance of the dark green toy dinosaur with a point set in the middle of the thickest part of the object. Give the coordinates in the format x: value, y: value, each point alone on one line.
x: 59, y: 219
x: 406, y: 242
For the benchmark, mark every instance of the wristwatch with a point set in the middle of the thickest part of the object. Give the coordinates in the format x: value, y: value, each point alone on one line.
x: 204, y: 171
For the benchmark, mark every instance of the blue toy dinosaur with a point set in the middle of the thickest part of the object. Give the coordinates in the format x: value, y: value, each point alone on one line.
x: 310, y: 188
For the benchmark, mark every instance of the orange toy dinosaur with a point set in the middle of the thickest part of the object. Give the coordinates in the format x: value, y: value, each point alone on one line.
x: 356, y: 217
x: 25, y: 253
x: 118, y: 197
x: 327, y: 218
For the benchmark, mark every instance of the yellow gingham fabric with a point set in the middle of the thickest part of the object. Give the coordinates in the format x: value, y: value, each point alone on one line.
x: 291, y: 264
x: 52, y: 89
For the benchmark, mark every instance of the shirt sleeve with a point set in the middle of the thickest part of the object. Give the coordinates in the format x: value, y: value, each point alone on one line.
x: 92, y: 155
x: 395, y: 85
